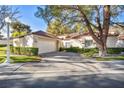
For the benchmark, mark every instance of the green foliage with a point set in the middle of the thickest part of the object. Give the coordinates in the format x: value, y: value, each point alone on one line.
x: 22, y: 59
x: 79, y: 50
x: 2, y: 45
x: 72, y: 49
x: 2, y: 59
x: 7, y: 11
x: 57, y: 28
x: 24, y: 50
x: 110, y: 58
x: 89, y: 52
x: 66, y: 14
x: 19, y: 29
x: 2, y: 50
x: 115, y: 50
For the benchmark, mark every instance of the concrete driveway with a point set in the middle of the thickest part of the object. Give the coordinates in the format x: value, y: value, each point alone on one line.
x: 63, y: 70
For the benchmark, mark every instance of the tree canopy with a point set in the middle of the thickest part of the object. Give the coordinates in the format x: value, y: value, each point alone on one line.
x: 19, y: 29
x: 57, y: 28
x: 7, y: 11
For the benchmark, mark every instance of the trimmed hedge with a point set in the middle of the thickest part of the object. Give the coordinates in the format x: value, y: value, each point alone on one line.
x: 2, y: 45
x: 78, y: 50
x: 24, y: 50
x: 71, y: 49
x: 115, y: 50
x: 92, y: 50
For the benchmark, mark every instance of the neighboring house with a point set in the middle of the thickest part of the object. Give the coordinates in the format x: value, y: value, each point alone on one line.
x: 43, y: 41
x: 4, y: 42
x: 84, y: 40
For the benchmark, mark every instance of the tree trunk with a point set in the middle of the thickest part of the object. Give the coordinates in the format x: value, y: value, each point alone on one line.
x: 103, y: 30
x: 102, y: 50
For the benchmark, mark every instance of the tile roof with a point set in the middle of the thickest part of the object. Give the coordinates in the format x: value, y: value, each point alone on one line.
x: 78, y: 35
x: 39, y: 33
x: 45, y: 34
x: 121, y: 37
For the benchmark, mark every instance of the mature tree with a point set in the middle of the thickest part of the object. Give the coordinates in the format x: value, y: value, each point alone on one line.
x: 19, y: 29
x: 57, y: 28
x: 7, y: 11
x: 96, y: 19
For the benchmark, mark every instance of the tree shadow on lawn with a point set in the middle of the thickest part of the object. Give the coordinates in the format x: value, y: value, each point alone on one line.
x: 65, y: 55
x: 80, y: 81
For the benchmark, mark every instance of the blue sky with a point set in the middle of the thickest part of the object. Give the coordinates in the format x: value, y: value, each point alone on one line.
x: 27, y: 17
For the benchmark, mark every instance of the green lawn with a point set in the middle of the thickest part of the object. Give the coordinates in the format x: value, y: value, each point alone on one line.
x: 2, y: 48
x: 2, y: 59
x: 110, y: 58
x: 18, y: 58
x: 21, y: 59
x: 2, y: 51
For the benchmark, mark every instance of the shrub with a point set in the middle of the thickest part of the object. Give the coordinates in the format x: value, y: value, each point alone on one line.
x: 74, y: 49
x: 62, y: 49
x: 24, y: 50
x: 95, y: 50
x: 2, y: 45
x: 89, y: 52
x: 71, y: 49
x: 115, y: 50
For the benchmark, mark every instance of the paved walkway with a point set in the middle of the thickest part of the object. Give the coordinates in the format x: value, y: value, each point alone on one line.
x: 63, y: 70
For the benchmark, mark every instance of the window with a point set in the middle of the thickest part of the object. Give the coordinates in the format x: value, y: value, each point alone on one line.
x: 68, y: 44
x: 88, y: 43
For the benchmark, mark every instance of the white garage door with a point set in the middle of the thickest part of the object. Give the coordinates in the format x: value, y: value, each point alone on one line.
x: 46, y: 46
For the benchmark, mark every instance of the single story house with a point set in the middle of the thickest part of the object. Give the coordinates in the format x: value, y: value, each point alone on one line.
x: 4, y: 42
x: 43, y: 41
x: 84, y: 40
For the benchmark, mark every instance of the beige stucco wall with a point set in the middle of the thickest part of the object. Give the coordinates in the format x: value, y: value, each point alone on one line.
x: 71, y: 43
x: 4, y: 42
x: 111, y: 41
x: 120, y: 43
x: 26, y: 41
x: 45, y: 45
x: 80, y: 42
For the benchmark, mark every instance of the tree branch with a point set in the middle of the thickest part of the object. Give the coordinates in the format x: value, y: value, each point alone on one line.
x: 88, y: 26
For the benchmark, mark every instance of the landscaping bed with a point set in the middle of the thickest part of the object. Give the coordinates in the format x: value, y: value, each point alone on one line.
x: 112, y: 58
x: 18, y: 58
x: 2, y: 59
x: 113, y: 53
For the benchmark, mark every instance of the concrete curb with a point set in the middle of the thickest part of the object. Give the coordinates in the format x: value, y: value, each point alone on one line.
x: 93, y: 60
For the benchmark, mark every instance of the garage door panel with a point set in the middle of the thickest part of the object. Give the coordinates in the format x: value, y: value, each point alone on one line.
x: 46, y: 46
